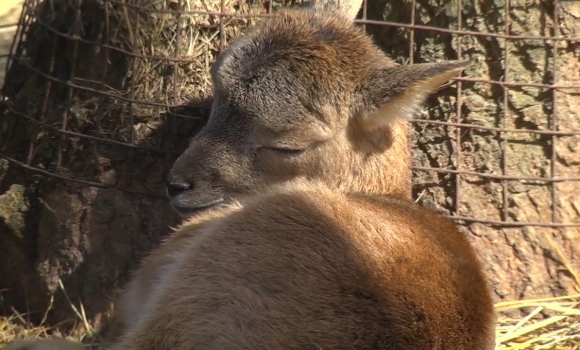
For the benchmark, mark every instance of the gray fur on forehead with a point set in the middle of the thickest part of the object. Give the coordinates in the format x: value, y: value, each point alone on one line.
x: 296, y: 66
x: 306, y: 47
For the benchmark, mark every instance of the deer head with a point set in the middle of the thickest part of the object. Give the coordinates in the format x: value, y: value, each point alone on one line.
x: 305, y: 94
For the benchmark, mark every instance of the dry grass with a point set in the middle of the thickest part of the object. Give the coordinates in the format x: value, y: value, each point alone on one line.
x: 130, y: 50
x: 194, y: 38
x: 550, y: 324
x: 18, y: 327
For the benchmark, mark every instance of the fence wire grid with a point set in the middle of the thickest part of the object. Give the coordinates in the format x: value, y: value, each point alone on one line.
x: 220, y: 18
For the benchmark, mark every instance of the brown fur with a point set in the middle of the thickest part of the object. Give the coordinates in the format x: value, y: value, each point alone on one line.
x: 317, y: 245
x: 307, y: 267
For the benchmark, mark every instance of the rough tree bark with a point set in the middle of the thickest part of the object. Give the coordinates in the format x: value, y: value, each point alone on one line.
x: 89, y: 238
x: 521, y: 262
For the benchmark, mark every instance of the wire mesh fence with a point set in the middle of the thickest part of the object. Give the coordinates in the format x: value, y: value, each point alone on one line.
x: 112, y: 63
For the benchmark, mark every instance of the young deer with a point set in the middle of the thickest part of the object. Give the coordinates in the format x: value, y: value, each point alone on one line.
x: 301, y: 233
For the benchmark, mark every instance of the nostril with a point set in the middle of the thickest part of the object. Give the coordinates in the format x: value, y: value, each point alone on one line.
x: 176, y: 187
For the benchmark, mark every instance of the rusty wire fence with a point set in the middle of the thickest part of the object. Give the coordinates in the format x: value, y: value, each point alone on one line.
x: 181, y: 11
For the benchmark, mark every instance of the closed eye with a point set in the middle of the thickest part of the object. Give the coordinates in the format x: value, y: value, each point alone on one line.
x: 286, y: 151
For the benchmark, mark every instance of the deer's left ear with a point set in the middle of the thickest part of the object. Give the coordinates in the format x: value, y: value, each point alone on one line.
x: 345, y: 8
x: 397, y: 92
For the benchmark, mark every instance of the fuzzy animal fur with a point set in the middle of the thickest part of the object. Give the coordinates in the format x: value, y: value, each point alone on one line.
x: 301, y: 233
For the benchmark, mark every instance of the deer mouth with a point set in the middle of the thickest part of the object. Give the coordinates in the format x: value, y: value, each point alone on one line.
x: 191, y: 209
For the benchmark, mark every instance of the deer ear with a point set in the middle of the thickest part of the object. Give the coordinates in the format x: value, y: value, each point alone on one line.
x: 398, y: 92
x: 345, y: 8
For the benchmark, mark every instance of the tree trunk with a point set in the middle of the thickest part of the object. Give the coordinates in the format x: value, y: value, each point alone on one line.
x: 57, y: 228
x: 522, y: 262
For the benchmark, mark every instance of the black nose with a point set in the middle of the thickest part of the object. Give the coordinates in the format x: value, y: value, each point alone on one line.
x: 176, y: 187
